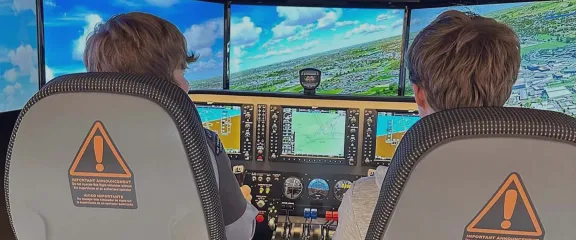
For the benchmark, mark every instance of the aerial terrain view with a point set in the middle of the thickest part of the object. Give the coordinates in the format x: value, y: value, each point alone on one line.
x: 357, y: 50
x: 547, y: 31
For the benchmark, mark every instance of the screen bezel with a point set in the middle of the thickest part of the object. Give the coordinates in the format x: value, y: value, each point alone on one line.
x: 314, y: 108
x: 376, y: 158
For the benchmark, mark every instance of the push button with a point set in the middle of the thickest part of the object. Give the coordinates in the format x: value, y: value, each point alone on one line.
x: 259, y: 218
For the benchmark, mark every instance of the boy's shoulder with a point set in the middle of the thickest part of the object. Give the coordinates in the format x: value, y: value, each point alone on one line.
x: 214, y: 141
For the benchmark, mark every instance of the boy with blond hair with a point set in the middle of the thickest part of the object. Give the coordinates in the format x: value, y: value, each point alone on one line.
x: 460, y: 60
x: 142, y: 43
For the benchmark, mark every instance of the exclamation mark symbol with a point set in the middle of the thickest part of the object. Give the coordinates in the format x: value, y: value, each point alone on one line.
x: 98, y: 152
x: 509, y: 205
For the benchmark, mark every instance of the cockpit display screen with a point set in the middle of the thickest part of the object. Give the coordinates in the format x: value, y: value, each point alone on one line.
x: 390, y: 128
x: 226, y: 121
x: 313, y: 132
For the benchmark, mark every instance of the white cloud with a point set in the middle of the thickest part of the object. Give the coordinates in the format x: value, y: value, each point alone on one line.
x: 11, y: 75
x: 346, y: 23
x: 303, y: 33
x: 23, y: 5
x: 10, y: 90
x: 416, y: 21
x: 271, y: 43
x: 162, y: 3
x: 220, y: 54
x: 25, y: 58
x: 49, y: 3
x: 395, y: 11
x: 282, y: 30
x: 80, y: 44
x: 236, y: 58
x: 201, y: 37
x: 204, y: 53
x: 383, y: 17
x: 364, y: 29
x: 397, y: 23
x: 276, y: 52
x: 328, y: 20
x: 49, y: 73
x: 244, y: 33
x: 297, y: 16
x: 204, y: 65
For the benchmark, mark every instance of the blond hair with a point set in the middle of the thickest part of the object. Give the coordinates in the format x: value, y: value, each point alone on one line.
x: 464, y: 60
x: 138, y: 43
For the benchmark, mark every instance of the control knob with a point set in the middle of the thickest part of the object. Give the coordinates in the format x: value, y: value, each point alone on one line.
x: 260, y: 204
x: 247, y: 115
x: 274, y: 116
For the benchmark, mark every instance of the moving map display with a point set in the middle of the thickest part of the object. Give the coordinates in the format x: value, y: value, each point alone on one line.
x: 225, y: 121
x: 390, y: 128
x: 68, y: 23
x: 357, y: 50
x: 547, y: 78
x: 313, y: 132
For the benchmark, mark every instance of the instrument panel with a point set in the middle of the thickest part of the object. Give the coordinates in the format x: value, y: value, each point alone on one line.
x: 300, y: 154
x: 311, y: 131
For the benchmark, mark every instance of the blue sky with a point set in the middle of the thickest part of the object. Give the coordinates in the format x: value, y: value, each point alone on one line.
x: 68, y: 22
x: 422, y: 17
x: 18, y: 53
x: 263, y: 35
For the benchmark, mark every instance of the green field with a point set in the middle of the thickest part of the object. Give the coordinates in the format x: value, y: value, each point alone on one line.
x: 318, y: 133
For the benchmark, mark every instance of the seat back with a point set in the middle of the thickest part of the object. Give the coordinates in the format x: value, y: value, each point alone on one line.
x: 7, y: 121
x: 481, y: 173
x: 111, y: 156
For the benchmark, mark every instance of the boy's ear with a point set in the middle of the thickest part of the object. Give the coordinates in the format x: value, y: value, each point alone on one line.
x: 419, y: 95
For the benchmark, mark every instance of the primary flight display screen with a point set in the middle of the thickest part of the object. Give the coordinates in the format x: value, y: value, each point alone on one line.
x: 390, y: 128
x: 225, y: 120
x: 313, y: 132
x: 313, y: 135
x: 383, y: 130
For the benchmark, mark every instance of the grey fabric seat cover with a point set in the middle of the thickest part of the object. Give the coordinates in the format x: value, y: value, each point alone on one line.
x: 481, y: 173
x: 111, y: 156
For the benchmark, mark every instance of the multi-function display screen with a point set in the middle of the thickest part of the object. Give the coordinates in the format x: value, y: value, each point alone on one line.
x: 313, y: 132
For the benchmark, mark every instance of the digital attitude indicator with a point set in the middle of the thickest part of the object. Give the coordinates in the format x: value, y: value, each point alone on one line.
x: 310, y: 79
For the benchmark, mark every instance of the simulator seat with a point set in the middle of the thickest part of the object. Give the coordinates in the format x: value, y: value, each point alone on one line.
x: 111, y: 156
x: 481, y: 173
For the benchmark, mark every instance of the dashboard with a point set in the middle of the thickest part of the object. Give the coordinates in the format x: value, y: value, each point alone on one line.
x: 300, y: 154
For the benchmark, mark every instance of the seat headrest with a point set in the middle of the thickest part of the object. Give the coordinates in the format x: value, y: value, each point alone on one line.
x: 111, y: 156
x: 451, y: 161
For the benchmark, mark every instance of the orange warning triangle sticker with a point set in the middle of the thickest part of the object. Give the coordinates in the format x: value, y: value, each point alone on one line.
x: 99, y: 157
x: 509, y: 212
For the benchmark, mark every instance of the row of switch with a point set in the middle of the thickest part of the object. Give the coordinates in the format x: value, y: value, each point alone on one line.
x: 310, y: 213
x: 332, y: 216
